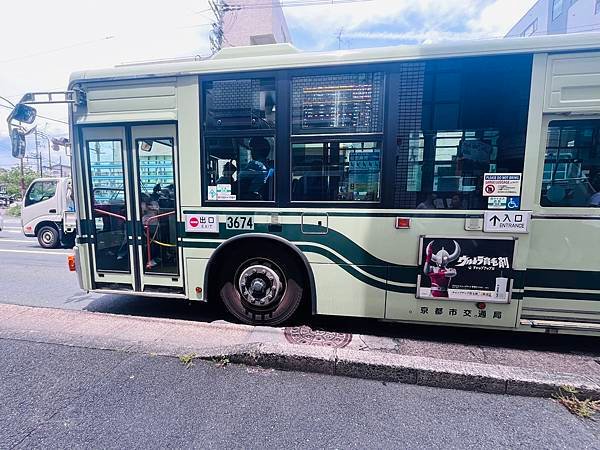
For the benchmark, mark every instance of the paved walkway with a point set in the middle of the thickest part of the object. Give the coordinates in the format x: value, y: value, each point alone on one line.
x: 453, y: 365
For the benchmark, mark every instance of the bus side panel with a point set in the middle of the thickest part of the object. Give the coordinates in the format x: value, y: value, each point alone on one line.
x: 342, y: 290
x: 563, y: 278
x: 409, y: 308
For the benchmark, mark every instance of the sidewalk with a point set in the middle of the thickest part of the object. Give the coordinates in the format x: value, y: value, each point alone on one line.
x: 447, y: 365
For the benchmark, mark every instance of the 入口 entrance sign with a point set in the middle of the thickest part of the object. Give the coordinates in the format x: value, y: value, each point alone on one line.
x: 502, y: 184
x: 201, y: 223
x: 506, y: 221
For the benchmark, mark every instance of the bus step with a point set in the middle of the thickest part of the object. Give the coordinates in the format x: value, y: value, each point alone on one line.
x: 561, y: 325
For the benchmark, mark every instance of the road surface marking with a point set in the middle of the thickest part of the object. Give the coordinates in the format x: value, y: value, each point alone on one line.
x: 42, y: 252
x: 30, y: 241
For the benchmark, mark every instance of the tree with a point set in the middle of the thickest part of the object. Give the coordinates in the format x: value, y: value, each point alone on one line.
x: 10, y: 180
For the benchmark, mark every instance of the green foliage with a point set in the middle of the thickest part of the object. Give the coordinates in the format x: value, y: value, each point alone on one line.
x: 14, y: 210
x: 10, y: 180
x: 188, y: 359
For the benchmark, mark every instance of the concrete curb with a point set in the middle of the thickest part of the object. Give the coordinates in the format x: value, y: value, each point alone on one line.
x: 266, y: 347
x: 423, y: 371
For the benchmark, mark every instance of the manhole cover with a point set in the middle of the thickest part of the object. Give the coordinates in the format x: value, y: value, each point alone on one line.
x: 307, y: 336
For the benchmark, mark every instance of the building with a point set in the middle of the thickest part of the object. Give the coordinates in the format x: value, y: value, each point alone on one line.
x: 254, y: 22
x: 559, y: 17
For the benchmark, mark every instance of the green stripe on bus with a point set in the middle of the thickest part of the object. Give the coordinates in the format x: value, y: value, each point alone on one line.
x: 563, y: 279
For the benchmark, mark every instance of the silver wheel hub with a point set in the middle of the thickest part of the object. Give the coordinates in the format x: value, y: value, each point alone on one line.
x: 259, y: 285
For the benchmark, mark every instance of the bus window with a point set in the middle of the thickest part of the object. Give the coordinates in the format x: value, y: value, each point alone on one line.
x: 239, y: 104
x: 457, y: 120
x: 240, y: 168
x: 109, y: 212
x: 326, y: 166
x: 338, y: 103
x: 571, y: 176
x: 157, y: 205
x: 40, y: 191
x: 336, y: 171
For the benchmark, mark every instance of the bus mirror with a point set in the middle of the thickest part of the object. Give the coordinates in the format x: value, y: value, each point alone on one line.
x: 23, y: 113
x: 17, y: 140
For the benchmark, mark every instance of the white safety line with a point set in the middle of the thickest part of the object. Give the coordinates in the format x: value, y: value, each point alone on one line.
x: 41, y: 252
x: 30, y: 241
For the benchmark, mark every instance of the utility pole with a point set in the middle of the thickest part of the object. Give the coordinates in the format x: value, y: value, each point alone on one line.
x: 216, y: 34
x: 49, y: 156
x: 338, y: 36
x: 22, y: 179
x: 37, y: 150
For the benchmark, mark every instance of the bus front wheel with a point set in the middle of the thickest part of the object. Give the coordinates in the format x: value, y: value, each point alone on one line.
x: 262, y: 288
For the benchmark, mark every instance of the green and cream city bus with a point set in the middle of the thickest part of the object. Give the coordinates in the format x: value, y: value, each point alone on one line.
x: 454, y: 183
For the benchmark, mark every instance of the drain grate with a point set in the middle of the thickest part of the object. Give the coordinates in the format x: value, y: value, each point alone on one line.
x: 305, y: 335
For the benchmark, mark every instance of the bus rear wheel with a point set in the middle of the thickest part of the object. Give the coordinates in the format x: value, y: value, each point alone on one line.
x: 262, y: 290
x: 48, y: 237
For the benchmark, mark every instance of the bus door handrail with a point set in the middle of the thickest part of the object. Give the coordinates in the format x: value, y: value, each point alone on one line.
x: 111, y: 214
x: 149, y: 240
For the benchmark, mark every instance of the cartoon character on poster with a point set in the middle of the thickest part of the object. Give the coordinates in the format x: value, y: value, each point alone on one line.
x: 436, y: 268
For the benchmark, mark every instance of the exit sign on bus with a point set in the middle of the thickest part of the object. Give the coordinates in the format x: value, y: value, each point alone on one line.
x: 201, y: 223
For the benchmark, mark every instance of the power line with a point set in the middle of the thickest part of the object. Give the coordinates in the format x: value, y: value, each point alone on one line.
x: 103, y: 39
x: 54, y: 50
x: 289, y: 4
x: 39, y: 115
x: 7, y: 101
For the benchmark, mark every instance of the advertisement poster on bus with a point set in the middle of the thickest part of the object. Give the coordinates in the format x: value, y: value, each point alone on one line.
x: 465, y: 269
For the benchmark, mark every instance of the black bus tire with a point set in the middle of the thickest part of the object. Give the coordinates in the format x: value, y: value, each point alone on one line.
x: 290, y: 273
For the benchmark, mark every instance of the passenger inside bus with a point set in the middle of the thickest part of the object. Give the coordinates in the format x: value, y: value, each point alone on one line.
x: 227, y: 176
x: 257, y: 177
x: 595, y: 198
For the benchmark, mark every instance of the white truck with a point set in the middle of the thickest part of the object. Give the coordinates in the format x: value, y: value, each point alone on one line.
x: 48, y: 212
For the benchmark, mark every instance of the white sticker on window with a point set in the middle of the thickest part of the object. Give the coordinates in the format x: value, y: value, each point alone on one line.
x: 223, y: 189
x: 212, y: 192
x: 222, y: 196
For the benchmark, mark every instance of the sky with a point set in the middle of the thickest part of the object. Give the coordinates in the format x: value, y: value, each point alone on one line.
x: 44, y: 41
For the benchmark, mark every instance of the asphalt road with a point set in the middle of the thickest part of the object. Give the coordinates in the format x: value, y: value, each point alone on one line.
x: 67, y: 397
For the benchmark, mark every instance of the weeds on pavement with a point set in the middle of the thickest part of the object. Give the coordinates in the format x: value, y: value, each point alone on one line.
x: 187, y: 360
x: 586, y: 408
x: 222, y: 361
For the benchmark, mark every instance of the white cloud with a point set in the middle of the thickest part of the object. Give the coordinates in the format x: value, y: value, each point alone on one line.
x: 499, y: 17
x: 409, y: 20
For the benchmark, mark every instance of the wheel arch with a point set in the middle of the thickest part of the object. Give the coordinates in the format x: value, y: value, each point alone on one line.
x: 46, y: 223
x: 255, y: 237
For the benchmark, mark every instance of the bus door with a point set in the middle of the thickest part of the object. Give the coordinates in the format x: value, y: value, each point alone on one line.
x: 132, y: 207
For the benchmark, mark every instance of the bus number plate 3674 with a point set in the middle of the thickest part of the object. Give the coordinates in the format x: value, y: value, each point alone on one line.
x: 239, y: 223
